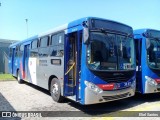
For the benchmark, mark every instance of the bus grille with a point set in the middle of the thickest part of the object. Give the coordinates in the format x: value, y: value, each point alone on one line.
x: 115, y: 77
x: 108, y: 98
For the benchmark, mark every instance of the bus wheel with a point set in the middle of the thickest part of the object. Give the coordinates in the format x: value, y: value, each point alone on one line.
x: 55, y: 90
x: 18, y: 77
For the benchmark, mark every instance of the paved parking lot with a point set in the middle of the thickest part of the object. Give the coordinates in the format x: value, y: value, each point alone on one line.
x: 27, y: 97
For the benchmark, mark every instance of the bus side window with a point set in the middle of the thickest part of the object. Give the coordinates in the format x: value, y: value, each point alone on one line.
x: 60, y: 50
x: 53, y: 46
x: 34, y: 48
x: 43, y: 46
x: 57, y: 45
x: 152, y: 55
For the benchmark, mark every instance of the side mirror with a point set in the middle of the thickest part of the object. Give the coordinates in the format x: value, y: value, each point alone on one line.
x: 85, y: 32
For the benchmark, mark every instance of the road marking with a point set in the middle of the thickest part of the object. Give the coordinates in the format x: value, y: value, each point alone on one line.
x: 103, y: 118
x: 148, y: 107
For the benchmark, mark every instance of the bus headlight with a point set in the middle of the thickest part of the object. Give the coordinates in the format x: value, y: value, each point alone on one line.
x: 151, y: 81
x: 93, y: 87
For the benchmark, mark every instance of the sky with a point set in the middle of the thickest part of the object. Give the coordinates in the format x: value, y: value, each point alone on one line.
x: 43, y: 15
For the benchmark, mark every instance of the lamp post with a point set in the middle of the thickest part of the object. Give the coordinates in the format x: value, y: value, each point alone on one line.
x: 27, y: 27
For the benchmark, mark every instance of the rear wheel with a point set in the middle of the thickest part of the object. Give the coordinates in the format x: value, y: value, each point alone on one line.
x: 18, y: 77
x: 55, y: 90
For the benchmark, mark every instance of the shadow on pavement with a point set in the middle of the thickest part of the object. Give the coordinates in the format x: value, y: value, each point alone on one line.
x: 103, y: 109
x: 108, y: 108
x: 6, y: 109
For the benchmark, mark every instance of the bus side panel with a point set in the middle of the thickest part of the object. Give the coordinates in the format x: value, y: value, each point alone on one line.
x: 144, y: 66
x: 32, y: 65
x: 45, y: 69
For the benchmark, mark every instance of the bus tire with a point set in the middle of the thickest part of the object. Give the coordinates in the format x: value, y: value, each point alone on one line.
x: 55, y: 90
x: 18, y: 77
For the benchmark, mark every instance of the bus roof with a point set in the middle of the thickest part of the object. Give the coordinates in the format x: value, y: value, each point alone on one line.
x: 76, y: 23
x: 147, y: 32
x: 141, y: 31
x: 23, y: 41
x: 64, y: 27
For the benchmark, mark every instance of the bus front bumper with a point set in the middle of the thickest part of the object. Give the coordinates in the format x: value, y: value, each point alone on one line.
x: 151, y: 88
x: 92, y: 97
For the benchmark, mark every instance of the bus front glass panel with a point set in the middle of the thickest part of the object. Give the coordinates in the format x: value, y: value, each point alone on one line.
x: 153, y: 53
x: 110, y: 52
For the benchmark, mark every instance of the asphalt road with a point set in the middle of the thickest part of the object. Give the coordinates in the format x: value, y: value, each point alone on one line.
x: 27, y: 97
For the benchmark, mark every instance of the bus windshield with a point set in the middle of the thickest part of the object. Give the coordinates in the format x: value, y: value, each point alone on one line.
x: 108, y: 51
x: 153, y: 53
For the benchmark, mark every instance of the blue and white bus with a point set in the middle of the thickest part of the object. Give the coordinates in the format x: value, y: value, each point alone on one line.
x: 89, y: 60
x: 147, y: 45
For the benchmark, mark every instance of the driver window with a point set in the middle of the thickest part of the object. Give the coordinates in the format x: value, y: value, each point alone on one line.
x: 151, y: 53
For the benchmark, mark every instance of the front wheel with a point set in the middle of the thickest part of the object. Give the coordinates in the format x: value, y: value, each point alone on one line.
x: 55, y: 90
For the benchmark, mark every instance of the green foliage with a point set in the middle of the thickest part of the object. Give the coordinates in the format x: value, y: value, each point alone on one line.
x: 6, y: 77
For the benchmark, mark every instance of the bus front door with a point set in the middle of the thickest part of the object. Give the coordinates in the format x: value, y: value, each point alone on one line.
x: 138, y: 47
x: 72, y: 64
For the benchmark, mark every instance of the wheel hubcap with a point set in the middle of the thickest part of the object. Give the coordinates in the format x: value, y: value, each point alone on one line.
x: 55, y: 89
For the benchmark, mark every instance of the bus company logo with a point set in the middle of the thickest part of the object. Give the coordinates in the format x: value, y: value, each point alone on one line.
x: 6, y: 114
x: 108, y: 85
x: 118, y: 74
